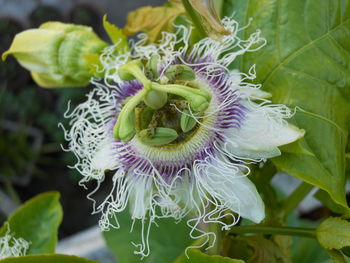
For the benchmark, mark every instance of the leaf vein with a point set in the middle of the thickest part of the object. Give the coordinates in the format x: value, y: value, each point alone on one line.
x: 300, y: 51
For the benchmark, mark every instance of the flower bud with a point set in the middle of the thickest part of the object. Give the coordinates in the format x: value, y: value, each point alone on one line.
x: 187, y: 122
x: 54, y: 53
x: 158, y: 136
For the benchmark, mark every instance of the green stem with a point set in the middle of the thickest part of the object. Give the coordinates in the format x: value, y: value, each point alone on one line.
x: 219, y: 4
x: 11, y: 191
x: 216, y: 229
x: 268, y: 230
x: 193, y: 15
x: 296, y: 197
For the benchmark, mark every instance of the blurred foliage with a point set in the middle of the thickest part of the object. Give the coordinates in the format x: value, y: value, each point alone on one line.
x: 33, y: 107
x: 27, y: 222
x: 36, y: 222
x: 167, y: 239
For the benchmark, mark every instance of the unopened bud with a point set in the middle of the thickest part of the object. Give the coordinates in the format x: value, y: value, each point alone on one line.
x: 54, y: 53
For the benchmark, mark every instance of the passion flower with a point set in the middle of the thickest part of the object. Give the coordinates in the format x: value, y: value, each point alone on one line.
x: 173, y: 129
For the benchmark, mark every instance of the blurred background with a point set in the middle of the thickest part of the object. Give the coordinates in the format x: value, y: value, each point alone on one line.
x: 31, y: 158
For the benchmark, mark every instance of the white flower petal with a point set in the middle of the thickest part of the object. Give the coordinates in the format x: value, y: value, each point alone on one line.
x: 140, y: 197
x: 246, y: 91
x: 234, y: 190
x: 105, y: 157
x: 262, y: 131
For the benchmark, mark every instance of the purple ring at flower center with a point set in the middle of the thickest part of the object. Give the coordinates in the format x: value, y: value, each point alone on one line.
x: 229, y: 115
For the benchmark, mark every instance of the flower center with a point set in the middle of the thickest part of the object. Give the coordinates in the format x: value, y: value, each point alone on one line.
x: 166, y: 109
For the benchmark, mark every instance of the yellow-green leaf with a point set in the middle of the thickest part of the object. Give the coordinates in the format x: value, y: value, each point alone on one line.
x: 152, y: 21
x: 334, y: 233
x: 116, y: 35
x: 209, y: 18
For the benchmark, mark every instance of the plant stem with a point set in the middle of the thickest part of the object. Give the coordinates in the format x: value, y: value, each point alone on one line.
x: 11, y: 191
x: 296, y: 197
x: 269, y: 230
x: 195, y: 19
x: 216, y: 229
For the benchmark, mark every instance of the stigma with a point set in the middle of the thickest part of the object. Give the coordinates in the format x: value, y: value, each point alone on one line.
x: 164, y: 111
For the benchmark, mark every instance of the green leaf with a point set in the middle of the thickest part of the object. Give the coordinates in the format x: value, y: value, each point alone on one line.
x: 308, y: 250
x: 37, y: 222
x: 167, y: 240
x: 328, y: 202
x: 334, y: 233
x: 116, y: 35
x: 306, y: 63
x: 53, y: 258
x: 297, y: 147
x: 196, y: 256
x: 152, y: 20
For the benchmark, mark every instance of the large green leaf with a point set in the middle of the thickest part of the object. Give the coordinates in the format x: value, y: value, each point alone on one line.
x: 196, y: 256
x: 37, y: 222
x: 54, y: 258
x: 167, y: 240
x: 306, y: 63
